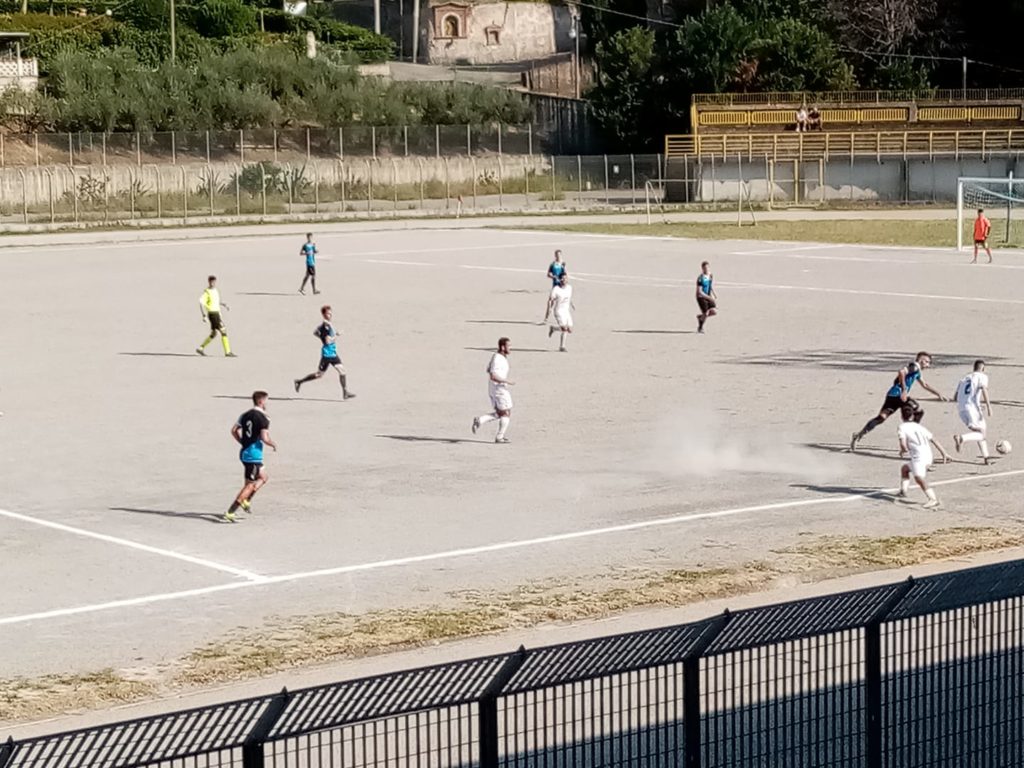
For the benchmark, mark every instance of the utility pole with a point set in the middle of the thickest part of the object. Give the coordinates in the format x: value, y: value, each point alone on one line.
x: 965, y: 79
x: 415, y: 31
x: 376, y: 16
x: 174, y: 36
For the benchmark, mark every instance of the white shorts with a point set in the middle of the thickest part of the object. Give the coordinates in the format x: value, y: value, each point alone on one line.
x: 971, y: 416
x: 918, y: 467
x: 563, y: 319
x: 501, y: 399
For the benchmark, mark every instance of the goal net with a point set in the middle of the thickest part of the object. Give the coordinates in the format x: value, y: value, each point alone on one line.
x: 1003, y: 203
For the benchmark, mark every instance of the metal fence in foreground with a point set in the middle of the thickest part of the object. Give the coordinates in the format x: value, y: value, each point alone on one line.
x: 926, y: 672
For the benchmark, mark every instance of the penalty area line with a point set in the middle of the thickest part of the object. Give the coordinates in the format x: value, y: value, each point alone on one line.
x: 241, y: 573
x: 486, y: 549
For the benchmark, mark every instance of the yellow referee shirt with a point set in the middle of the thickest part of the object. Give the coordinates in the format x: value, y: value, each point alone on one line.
x: 210, y: 301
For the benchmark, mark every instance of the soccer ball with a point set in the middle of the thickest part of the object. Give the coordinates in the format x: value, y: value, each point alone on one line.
x: 1004, y: 447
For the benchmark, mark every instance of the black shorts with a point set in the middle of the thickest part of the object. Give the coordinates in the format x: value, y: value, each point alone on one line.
x: 705, y: 304
x: 981, y: 242
x: 894, y: 404
x: 311, y: 270
x: 215, y: 323
x: 327, y: 362
x: 252, y: 471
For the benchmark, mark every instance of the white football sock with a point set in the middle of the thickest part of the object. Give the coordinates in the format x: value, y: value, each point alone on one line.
x: 486, y: 418
x: 930, y: 494
x: 561, y: 343
x: 972, y: 437
x: 983, y: 444
x: 904, y: 485
x: 502, y: 426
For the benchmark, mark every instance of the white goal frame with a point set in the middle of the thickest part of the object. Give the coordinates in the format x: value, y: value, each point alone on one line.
x: 992, y: 183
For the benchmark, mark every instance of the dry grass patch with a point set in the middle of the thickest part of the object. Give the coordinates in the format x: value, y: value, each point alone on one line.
x: 28, y: 698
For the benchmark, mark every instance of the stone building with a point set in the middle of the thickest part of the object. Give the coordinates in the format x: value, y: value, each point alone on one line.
x: 494, y: 32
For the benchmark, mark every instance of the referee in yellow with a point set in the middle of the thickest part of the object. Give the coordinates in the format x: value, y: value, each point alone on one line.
x: 209, y: 307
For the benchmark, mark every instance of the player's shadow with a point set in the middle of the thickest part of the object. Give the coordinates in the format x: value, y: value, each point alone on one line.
x: 1009, y: 403
x: 644, y: 330
x: 268, y: 293
x: 292, y: 399
x: 845, y: 490
x: 209, y: 517
x: 855, y: 359
x: 158, y: 354
x: 505, y: 322
x: 514, y: 349
x: 421, y: 439
x: 877, y: 453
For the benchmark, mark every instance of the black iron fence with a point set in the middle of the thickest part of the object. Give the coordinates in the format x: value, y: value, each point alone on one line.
x: 926, y: 672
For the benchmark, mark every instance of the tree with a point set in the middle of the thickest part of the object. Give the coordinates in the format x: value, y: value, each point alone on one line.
x: 626, y: 66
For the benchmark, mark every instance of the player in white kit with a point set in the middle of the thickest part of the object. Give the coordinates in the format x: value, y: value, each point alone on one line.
x: 918, y: 442
x: 971, y: 392
x: 497, y: 386
x: 561, y: 302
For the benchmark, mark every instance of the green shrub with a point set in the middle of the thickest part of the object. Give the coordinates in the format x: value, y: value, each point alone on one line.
x: 223, y: 18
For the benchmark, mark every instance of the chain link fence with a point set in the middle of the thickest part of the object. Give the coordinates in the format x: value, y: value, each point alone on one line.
x: 445, y: 185
x: 268, y: 145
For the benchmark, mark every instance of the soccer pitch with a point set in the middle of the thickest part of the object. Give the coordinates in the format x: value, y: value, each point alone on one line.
x: 646, y: 446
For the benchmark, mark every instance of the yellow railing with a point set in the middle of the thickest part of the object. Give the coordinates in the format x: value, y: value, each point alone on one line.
x: 738, y: 118
x: 799, y: 146
x: 859, y: 97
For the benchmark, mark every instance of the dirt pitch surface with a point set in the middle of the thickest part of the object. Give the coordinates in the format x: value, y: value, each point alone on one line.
x: 644, y: 446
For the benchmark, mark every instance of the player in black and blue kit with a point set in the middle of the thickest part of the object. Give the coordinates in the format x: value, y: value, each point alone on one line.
x: 556, y: 269
x: 707, y: 300
x: 899, y: 395
x: 328, y: 354
x: 309, y: 251
x: 252, y: 432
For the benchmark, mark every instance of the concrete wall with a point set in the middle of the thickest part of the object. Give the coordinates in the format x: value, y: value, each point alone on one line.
x: 37, y: 186
x: 862, y: 180
x: 526, y: 30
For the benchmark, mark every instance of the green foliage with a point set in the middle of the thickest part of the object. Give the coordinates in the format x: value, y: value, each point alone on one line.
x: 116, y: 90
x: 626, y: 90
x: 363, y: 43
x: 223, y: 18
x: 54, y: 35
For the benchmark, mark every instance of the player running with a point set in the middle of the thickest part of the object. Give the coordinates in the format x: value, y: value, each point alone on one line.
x: 899, y: 395
x: 497, y: 387
x: 209, y: 309
x: 706, y: 296
x: 555, y: 271
x: 561, y: 301
x: 328, y: 354
x: 252, y: 432
x: 918, y: 442
x: 982, y: 228
x: 971, y: 392
x: 310, y: 251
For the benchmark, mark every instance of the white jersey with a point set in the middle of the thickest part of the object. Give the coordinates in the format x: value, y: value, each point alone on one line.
x: 968, y: 391
x: 561, y: 295
x: 918, y: 440
x: 499, y: 367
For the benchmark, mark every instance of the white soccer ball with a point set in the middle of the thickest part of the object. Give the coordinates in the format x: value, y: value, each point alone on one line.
x: 1004, y: 447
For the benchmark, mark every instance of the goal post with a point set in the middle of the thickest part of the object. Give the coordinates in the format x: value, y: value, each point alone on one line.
x: 1002, y: 200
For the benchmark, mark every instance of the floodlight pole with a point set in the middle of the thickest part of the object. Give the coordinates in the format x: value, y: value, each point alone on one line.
x: 376, y: 16
x: 1009, y: 204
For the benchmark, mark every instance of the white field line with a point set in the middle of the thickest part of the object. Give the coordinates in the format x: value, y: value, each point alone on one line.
x: 504, y: 546
x: 241, y: 573
x: 643, y: 281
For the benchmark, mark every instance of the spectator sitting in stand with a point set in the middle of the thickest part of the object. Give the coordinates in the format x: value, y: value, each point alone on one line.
x: 801, y: 120
x: 814, y: 119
